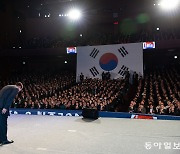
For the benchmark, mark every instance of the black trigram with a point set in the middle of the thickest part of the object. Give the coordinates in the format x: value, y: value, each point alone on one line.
x: 94, y: 71
x: 94, y: 53
x: 123, y: 51
x: 123, y: 70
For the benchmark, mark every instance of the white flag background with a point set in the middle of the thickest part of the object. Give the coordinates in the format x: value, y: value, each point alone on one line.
x: 117, y: 59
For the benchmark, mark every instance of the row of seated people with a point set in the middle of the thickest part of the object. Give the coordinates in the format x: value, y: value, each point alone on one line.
x: 169, y: 109
x: 62, y: 92
x: 40, y: 85
x: 99, y: 39
x: 158, y: 93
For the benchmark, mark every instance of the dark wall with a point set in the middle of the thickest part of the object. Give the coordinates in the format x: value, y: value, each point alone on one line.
x: 56, y: 28
x: 161, y: 58
x: 52, y: 27
x: 44, y: 64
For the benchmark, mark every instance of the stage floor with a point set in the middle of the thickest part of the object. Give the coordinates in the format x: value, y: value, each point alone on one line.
x: 74, y: 135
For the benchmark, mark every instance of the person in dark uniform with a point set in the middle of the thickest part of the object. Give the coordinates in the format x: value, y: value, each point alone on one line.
x: 7, y: 95
x: 81, y: 77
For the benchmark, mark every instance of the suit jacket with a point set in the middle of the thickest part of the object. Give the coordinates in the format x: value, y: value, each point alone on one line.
x: 7, y: 95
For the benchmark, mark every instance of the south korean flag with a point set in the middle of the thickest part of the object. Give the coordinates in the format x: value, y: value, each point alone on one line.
x: 116, y: 59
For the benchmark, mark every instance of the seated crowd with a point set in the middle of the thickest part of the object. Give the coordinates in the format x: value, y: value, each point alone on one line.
x: 157, y: 93
x: 60, y: 91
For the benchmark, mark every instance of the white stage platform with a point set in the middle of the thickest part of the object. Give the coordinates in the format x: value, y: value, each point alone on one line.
x: 74, y: 135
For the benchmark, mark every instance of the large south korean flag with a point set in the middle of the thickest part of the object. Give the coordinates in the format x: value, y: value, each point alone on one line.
x: 117, y: 59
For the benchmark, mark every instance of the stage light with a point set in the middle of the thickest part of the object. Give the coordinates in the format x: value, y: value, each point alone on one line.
x: 175, y: 57
x: 65, y: 62
x: 74, y: 14
x: 157, y: 29
x: 169, y: 4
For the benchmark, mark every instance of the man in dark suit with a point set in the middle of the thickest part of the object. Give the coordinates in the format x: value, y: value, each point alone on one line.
x: 7, y: 95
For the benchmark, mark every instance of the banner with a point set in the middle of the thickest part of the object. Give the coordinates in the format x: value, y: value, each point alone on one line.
x: 143, y: 117
x: 116, y: 59
x: 44, y: 112
x: 78, y: 113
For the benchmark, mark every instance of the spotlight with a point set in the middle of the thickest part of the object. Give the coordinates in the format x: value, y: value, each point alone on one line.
x: 169, y: 4
x: 157, y: 29
x: 74, y: 14
x: 65, y: 62
x: 175, y: 57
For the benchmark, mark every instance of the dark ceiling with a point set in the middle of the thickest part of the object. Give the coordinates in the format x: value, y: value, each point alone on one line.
x: 125, y: 8
x: 27, y: 7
